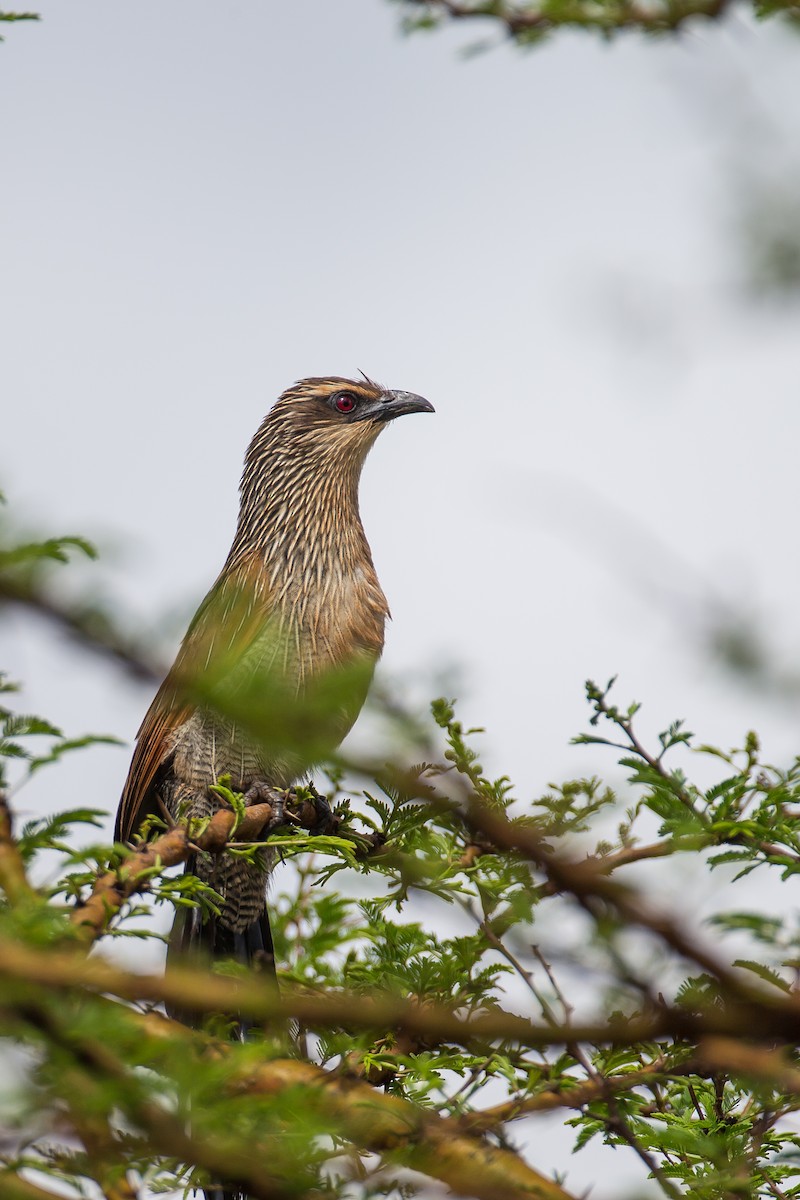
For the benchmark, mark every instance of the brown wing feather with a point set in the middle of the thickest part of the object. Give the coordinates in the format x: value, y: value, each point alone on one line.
x: 224, y: 626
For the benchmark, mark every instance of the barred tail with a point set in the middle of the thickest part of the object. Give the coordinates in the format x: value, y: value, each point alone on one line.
x: 194, y: 942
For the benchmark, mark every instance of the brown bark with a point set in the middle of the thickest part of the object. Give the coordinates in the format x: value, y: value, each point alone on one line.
x: 112, y: 889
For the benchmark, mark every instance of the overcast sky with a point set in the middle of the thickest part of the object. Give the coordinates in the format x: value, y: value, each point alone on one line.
x: 200, y: 207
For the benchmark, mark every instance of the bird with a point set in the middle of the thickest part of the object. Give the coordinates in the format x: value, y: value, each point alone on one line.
x: 276, y: 663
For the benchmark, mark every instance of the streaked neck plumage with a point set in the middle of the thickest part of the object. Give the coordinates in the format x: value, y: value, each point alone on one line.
x: 299, y: 520
x: 299, y: 499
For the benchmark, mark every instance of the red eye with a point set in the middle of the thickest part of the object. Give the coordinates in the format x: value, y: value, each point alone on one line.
x: 345, y: 402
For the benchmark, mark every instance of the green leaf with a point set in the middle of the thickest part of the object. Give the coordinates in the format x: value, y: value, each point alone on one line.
x: 768, y: 974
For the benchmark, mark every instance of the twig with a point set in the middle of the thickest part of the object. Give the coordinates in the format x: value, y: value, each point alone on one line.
x: 625, y: 723
x: 576, y: 1095
x: 615, y: 1121
x: 13, y: 879
x: 90, y: 629
x: 607, y: 863
x: 587, y: 883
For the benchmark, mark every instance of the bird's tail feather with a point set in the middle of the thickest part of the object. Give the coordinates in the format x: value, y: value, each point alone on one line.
x: 193, y: 941
x: 208, y: 941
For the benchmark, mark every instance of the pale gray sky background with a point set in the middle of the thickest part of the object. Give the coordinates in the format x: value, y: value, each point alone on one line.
x: 201, y: 204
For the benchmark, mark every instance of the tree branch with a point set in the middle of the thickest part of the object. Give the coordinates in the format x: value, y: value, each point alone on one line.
x: 587, y: 882
x: 417, y: 1137
x: 764, y: 1063
x: 439, y: 1147
x: 397, y: 1129
x: 577, y: 1095
x: 112, y: 889
x: 13, y: 879
x: 200, y: 992
x: 14, y: 1187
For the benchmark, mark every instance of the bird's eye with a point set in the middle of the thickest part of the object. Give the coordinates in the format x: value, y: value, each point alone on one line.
x: 345, y: 402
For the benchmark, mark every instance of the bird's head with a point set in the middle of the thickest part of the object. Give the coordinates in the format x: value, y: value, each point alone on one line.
x: 327, y: 423
x: 346, y: 412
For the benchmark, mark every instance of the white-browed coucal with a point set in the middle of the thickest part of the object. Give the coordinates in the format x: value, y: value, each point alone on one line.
x: 276, y: 663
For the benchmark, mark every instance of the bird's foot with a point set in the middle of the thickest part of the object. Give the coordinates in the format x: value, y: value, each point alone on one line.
x: 261, y: 793
x: 316, y: 812
x: 304, y: 807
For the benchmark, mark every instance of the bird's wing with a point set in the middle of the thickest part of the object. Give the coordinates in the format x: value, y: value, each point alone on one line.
x: 225, y: 625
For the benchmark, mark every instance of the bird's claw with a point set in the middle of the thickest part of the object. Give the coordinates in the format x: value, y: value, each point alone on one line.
x: 313, y: 813
x: 325, y: 820
x: 259, y: 793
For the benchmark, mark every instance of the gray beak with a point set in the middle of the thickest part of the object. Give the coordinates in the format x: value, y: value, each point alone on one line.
x: 397, y: 404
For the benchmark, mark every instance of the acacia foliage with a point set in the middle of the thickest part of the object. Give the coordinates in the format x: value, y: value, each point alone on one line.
x: 456, y: 961
x: 528, y: 22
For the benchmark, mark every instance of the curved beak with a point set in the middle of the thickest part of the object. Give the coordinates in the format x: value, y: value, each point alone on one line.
x: 397, y: 404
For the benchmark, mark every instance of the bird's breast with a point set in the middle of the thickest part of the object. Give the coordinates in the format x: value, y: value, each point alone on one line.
x: 322, y: 617
x: 304, y: 677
